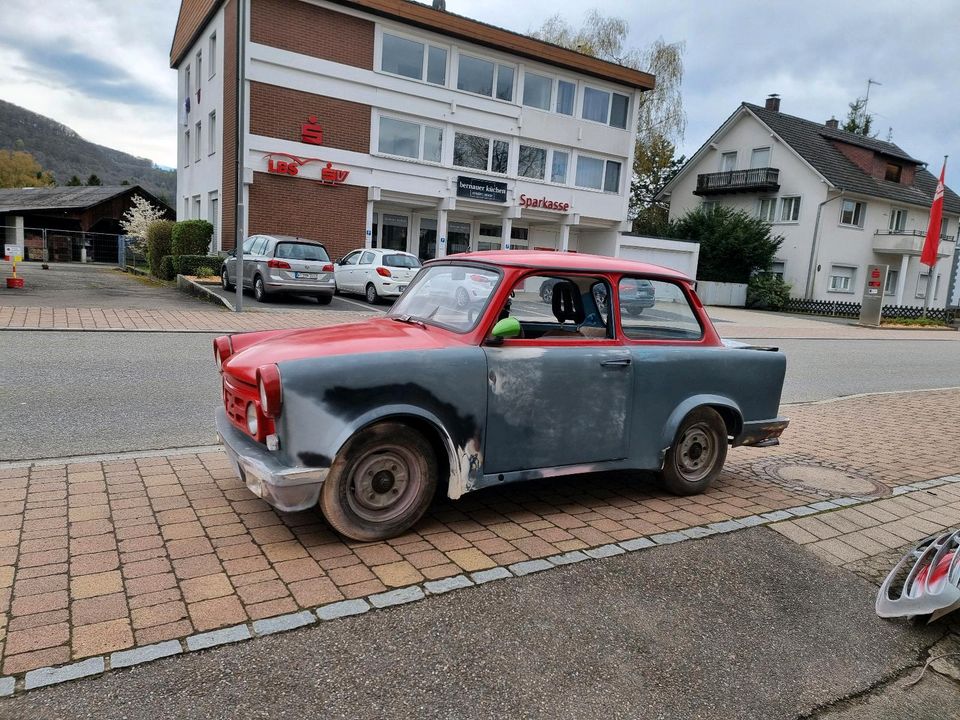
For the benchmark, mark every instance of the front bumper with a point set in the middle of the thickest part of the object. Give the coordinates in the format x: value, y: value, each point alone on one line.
x: 764, y: 433
x: 288, y: 489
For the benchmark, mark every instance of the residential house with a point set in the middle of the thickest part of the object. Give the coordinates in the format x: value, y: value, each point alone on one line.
x: 841, y: 202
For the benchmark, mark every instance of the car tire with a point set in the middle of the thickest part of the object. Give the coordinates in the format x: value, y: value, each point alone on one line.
x: 697, y: 454
x: 634, y: 310
x: 371, y: 294
x: 324, y: 299
x: 380, y: 484
x: 546, y: 294
x: 259, y: 291
x: 463, y: 298
x: 224, y: 279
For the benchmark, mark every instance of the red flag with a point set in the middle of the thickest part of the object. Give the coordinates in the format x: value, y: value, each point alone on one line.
x: 932, y: 243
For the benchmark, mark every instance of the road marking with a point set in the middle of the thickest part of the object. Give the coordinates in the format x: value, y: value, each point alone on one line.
x: 364, y: 305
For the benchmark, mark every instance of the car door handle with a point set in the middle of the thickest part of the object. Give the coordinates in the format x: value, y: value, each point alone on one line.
x: 619, y: 362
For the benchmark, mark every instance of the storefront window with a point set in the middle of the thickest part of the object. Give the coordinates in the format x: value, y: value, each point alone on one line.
x: 458, y: 238
x: 533, y: 162
x: 518, y: 238
x: 394, y: 232
x: 427, y: 247
x: 537, y: 91
x: 490, y: 237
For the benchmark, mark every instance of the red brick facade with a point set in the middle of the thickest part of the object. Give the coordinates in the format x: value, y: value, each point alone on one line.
x: 228, y: 195
x: 279, y: 113
x: 874, y: 163
x: 334, y: 215
x: 310, y: 30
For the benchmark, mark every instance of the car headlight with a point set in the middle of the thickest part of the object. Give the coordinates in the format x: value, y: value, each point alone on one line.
x: 252, y: 424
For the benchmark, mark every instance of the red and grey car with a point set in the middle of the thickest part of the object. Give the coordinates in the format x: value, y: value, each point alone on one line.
x: 367, y: 420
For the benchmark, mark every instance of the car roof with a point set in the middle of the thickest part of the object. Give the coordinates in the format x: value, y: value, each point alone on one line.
x: 550, y: 260
x: 291, y: 238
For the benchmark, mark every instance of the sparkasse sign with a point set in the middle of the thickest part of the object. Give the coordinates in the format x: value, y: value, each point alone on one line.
x: 542, y: 202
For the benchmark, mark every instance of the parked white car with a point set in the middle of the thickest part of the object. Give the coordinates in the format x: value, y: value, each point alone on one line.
x: 375, y: 273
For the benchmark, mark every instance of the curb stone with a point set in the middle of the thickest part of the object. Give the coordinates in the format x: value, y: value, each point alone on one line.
x: 128, y: 658
x: 574, y: 556
x: 7, y: 686
x: 396, y: 597
x: 529, y: 566
x: 485, y: 576
x: 291, y: 621
x: 605, y: 551
x: 345, y: 608
x: 438, y: 587
x: 52, y: 676
x: 218, y: 637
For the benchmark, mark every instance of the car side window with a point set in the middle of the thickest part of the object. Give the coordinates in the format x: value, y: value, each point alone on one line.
x: 248, y: 245
x: 560, y: 307
x: 366, y: 258
x: 351, y: 259
x: 260, y: 246
x: 656, y: 310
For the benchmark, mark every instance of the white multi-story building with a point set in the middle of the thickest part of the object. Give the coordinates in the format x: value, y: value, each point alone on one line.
x: 841, y: 202
x: 390, y: 123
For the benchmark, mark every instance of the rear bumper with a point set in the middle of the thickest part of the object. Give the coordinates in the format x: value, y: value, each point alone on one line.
x: 300, y: 288
x: 762, y: 433
x: 289, y: 489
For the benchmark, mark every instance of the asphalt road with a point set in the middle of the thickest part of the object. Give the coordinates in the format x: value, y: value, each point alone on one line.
x: 280, y: 303
x: 78, y: 393
x: 747, y: 625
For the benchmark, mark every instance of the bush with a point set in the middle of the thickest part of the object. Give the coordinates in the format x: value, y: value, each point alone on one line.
x: 159, y: 238
x: 191, y: 237
x: 167, y: 270
x: 191, y: 264
x: 767, y: 292
x: 204, y: 271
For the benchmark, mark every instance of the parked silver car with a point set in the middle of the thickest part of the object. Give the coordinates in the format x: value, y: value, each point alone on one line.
x: 277, y: 264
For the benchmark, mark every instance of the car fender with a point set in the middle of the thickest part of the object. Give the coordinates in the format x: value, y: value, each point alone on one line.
x: 684, y: 408
x: 464, y: 463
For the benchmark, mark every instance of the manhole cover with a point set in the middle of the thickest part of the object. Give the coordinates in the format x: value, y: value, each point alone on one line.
x: 824, y: 480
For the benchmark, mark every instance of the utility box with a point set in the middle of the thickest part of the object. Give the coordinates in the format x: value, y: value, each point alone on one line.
x: 872, y: 306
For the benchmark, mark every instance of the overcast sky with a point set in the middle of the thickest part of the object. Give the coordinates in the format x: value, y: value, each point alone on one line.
x: 101, y: 66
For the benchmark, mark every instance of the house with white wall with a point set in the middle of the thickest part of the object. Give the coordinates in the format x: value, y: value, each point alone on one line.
x: 840, y: 201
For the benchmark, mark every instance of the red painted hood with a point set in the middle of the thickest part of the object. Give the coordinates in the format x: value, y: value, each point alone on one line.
x: 377, y: 335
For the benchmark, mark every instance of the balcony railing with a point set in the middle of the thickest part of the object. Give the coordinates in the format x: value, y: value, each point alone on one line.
x: 906, y: 242
x: 914, y: 233
x: 734, y: 181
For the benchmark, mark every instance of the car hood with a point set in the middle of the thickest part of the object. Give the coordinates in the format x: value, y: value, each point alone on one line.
x: 376, y: 335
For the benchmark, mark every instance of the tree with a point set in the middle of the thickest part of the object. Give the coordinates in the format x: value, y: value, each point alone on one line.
x: 137, y: 219
x: 74, y: 181
x: 661, y: 120
x: 20, y: 169
x: 733, y: 245
x: 654, y: 165
x: 94, y: 180
x: 858, y: 120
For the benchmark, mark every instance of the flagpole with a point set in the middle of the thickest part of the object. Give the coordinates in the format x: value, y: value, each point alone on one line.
x: 932, y: 271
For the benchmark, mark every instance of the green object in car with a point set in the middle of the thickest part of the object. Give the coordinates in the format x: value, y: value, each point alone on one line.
x: 509, y: 327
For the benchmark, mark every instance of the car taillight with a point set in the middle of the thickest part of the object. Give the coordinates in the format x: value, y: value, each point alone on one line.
x: 328, y: 267
x: 271, y: 392
x: 480, y: 278
x: 278, y: 264
x: 383, y: 271
x: 222, y: 349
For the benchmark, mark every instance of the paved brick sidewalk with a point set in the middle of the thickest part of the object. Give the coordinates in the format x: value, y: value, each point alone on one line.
x: 99, y: 557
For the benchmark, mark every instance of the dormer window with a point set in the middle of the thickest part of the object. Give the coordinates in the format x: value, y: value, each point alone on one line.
x: 893, y: 172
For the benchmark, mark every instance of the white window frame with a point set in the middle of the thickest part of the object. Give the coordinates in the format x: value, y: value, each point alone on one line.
x: 755, y: 150
x: 723, y: 161
x: 486, y: 136
x: 921, y: 292
x: 551, y: 101
x: 213, y: 201
x: 863, y: 213
x: 795, y: 207
x: 851, y: 278
x: 187, y: 86
x: 421, y: 141
x: 566, y: 172
x: 497, y: 64
x: 900, y: 214
x: 783, y: 269
x: 893, y: 275
x: 198, y: 61
x: 771, y: 216
x: 187, y: 148
x: 212, y: 51
x: 197, y: 207
x: 197, y: 140
x: 603, y: 180
x: 547, y: 158
x: 582, y: 93
x: 709, y: 205
x: 212, y: 132
x: 424, y: 60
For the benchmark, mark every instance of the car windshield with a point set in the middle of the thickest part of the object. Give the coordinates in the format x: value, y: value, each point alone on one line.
x: 451, y: 296
x: 301, y: 251
x: 401, y: 261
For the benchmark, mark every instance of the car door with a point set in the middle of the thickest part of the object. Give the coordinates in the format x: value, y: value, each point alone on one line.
x: 250, y: 258
x: 557, y: 399
x: 364, y: 270
x: 343, y: 271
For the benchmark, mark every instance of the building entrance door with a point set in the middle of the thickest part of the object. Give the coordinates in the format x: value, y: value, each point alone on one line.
x: 393, y: 231
x: 427, y: 245
x: 458, y: 238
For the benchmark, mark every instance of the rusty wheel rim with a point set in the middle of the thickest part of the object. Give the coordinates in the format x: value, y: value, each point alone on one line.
x: 385, y: 483
x: 697, y: 452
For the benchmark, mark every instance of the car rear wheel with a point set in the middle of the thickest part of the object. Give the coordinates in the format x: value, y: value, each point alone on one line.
x: 324, y: 299
x: 225, y: 279
x: 546, y: 293
x: 698, y: 452
x: 259, y: 291
x: 371, y: 293
x: 380, y: 484
x: 463, y: 298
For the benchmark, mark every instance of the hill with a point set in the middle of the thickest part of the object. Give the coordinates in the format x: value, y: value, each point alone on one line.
x: 62, y: 151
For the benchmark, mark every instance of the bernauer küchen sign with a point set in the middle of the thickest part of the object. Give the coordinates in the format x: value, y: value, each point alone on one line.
x: 479, y: 189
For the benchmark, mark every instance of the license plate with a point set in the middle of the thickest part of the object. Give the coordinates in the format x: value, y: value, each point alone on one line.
x: 305, y: 276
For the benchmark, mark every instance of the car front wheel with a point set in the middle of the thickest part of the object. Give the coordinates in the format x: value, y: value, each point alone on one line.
x: 380, y: 484
x: 698, y: 452
x: 225, y: 279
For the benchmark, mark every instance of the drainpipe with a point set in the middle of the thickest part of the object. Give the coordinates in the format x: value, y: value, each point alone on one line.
x: 241, y: 145
x: 815, y: 248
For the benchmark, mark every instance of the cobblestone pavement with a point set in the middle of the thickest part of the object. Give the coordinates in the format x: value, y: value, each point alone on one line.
x: 101, y: 556
x: 741, y: 324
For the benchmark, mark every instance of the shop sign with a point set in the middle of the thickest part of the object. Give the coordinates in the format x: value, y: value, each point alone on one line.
x: 291, y: 165
x: 479, y: 189
x: 542, y: 202
x: 310, y: 132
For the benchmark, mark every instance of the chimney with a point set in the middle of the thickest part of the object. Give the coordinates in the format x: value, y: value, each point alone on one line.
x: 440, y: 5
x: 832, y: 123
x: 773, y: 102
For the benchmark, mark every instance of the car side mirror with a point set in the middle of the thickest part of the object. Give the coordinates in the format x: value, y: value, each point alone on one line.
x: 505, y: 329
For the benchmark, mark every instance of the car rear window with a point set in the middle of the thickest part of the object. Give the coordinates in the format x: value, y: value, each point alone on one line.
x: 301, y: 251
x: 401, y: 261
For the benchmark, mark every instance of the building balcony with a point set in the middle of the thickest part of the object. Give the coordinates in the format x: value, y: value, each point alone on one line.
x: 907, y: 242
x: 761, y: 180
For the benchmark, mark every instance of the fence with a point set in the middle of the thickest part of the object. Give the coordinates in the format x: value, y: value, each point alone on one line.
x: 834, y: 308
x: 49, y: 245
